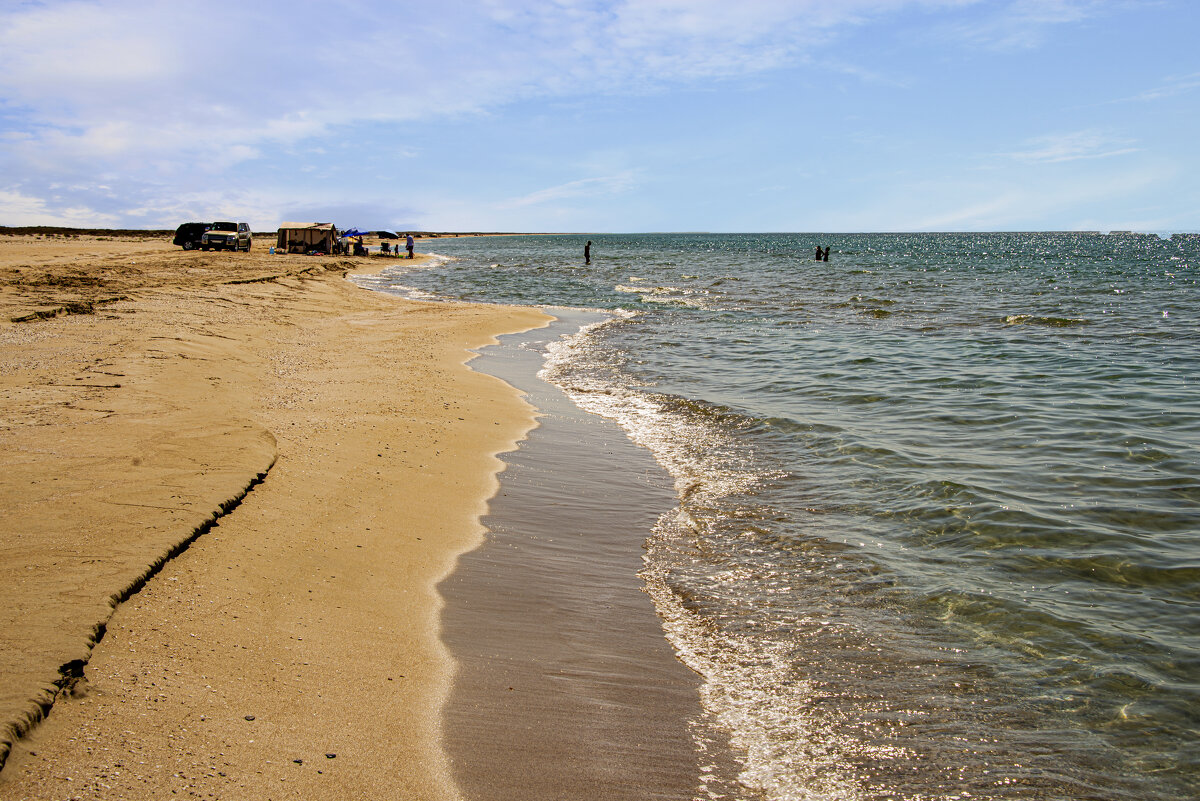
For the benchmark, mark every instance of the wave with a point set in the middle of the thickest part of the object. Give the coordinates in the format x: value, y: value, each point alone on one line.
x: 1051, y: 322
x: 682, y: 296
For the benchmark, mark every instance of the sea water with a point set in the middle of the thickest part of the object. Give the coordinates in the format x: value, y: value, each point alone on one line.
x: 938, y: 521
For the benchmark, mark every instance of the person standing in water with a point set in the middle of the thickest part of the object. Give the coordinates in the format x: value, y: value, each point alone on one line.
x: 587, y: 252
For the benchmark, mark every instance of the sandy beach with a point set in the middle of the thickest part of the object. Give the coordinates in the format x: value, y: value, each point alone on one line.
x: 266, y: 471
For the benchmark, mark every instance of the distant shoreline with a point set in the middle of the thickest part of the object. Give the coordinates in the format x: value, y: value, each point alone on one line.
x: 154, y: 233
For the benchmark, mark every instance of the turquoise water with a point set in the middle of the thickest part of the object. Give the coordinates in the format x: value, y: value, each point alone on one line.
x: 938, y: 532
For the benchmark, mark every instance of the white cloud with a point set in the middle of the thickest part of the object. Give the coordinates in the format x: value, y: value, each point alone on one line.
x: 134, y: 109
x: 166, y: 207
x: 1021, y: 24
x: 123, y: 76
x: 18, y: 209
x: 73, y: 49
x: 141, y: 95
x: 1072, y: 147
x: 586, y: 187
x: 1027, y: 201
x: 1173, y: 86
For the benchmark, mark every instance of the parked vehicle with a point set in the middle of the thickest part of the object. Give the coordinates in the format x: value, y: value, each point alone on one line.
x: 227, y: 236
x: 187, y: 236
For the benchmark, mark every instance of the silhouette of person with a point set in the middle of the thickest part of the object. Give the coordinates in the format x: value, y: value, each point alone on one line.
x: 587, y: 252
x: 818, y: 256
x: 826, y: 256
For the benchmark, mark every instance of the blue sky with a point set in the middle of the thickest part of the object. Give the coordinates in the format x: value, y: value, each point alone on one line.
x: 582, y: 115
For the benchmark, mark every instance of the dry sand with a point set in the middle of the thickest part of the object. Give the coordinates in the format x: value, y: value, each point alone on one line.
x: 292, y: 650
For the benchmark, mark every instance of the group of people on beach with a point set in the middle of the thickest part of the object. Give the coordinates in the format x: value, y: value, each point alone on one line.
x: 383, y: 247
x: 822, y: 255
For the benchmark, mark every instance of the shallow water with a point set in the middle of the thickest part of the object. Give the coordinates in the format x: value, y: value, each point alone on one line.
x: 938, y: 532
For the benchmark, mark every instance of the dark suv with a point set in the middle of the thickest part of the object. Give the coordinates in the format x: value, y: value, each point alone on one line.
x: 227, y: 236
x: 188, y: 235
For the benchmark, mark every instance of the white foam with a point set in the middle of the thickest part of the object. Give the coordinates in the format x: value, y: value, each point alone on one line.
x: 747, y: 691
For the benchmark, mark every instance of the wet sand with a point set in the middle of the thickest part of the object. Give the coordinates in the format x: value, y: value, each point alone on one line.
x: 272, y: 469
x: 566, y: 686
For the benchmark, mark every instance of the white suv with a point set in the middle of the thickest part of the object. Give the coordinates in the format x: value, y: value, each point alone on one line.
x: 227, y: 236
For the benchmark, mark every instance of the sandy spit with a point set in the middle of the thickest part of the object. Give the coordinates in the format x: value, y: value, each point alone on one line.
x: 247, y: 475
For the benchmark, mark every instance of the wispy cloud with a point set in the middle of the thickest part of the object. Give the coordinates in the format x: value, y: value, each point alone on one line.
x: 1019, y: 24
x: 585, y: 187
x: 22, y: 209
x: 133, y: 92
x: 1023, y: 202
x: 121, y: 108
x: 1172, y: 87
x: 126, y: 77
x: 1072, y: 147
x: 982, y: 214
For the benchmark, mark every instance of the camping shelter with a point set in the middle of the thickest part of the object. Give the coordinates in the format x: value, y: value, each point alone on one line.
x: 296, y: 237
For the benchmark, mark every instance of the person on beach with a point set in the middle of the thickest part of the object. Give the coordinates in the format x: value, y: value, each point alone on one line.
x: 587, y: 252
x: 408, y: 245
x: 826, y: 256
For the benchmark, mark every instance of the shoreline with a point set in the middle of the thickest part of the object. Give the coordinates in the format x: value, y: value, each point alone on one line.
x: 303, y: 624
x: 566, y: 685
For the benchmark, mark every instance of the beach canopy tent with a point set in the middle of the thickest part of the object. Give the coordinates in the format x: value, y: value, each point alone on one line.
x: 384, y: 234
x: 297, y: 237
x: 354, y: 232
